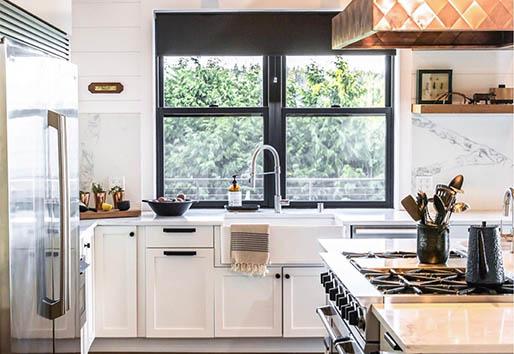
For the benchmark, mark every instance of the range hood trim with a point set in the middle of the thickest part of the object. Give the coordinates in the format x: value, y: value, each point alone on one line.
x: 363, y: 25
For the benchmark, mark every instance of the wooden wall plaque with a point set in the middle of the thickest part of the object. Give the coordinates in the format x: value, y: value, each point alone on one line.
x: 105, y: 87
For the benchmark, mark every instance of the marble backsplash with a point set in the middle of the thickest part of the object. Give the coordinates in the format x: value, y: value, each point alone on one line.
x: 110, y: 148
x: 478, y: 147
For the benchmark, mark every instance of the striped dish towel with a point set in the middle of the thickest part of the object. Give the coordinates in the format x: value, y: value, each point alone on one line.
x: 249, y: 249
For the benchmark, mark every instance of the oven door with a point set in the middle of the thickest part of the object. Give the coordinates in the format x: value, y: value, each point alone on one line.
x: 340, y: 338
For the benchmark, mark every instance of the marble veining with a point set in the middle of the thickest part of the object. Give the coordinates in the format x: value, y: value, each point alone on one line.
x: 449, y: 328
x: 479, y: 147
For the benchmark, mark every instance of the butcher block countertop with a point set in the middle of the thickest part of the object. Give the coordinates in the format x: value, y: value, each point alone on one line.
x: 449, y: 328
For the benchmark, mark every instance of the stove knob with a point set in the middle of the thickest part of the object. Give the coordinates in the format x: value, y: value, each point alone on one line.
x: 349, y: 308
x: 329, y: 285
x: 325, y: 277
x: 362, y: 320
x: 332, y: 293
x: 342, y: 299
x: 353, y: 317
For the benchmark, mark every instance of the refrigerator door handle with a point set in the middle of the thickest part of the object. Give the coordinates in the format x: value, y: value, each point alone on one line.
x: 60, y: 307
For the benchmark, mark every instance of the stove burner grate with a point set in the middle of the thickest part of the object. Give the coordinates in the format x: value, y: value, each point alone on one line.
x: 451, y: 281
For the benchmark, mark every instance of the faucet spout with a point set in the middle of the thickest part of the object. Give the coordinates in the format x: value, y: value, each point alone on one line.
x: 278, y: 201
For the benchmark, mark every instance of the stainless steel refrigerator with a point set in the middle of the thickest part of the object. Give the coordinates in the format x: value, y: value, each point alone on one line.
x: 40, y: 301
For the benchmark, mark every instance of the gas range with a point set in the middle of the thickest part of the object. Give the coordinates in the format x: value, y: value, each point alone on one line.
x: 357, y: 280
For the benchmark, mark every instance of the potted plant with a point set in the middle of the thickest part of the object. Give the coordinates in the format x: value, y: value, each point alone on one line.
x: 117, y: 195
x: 100, y: 195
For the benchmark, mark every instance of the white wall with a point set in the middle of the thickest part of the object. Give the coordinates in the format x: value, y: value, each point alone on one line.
x: 478, y: 146
x: 106, y: 46
x: 55, y: 12
x: 113, y: 41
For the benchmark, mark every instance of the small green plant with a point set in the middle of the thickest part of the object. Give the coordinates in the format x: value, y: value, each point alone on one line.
x: 97, y: 188
x: 116, y: 189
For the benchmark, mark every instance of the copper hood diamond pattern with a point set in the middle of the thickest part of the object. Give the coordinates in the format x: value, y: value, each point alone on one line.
x: 430, y: 24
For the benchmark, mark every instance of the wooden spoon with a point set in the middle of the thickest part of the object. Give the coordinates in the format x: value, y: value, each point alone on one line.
x: 411, y: 207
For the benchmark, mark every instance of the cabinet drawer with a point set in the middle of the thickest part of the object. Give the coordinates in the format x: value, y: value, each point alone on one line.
x: 179, y: 236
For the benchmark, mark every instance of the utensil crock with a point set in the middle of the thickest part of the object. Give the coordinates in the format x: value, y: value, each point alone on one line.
x: 485, y: 260
x: 433, y: 244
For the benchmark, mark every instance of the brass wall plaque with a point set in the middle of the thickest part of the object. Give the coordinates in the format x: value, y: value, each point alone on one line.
x: 105, y: 87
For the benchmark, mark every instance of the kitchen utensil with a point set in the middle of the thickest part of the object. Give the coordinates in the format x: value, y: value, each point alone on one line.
x: 420, y: 201
x: 169, y: 208
x: 457, y: 208
x: 447, y: 194
x: 411, y: 207
x: 433, y: 244
x: 441, y: 210
x: 456, y: 182
x: 485, y: 261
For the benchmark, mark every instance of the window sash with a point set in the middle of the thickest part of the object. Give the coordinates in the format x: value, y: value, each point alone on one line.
x: 275, y: 115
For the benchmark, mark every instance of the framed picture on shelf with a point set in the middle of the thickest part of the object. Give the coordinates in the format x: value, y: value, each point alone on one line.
x: 431, y: 84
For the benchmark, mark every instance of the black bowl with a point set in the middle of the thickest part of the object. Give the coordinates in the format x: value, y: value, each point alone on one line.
x: 169, y: 208
x: 124, y: 205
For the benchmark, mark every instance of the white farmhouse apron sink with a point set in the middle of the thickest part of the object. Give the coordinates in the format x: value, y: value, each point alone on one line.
x: 293, y: 235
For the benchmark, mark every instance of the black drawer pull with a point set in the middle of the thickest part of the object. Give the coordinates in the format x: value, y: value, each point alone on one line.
x: 179, y: 253
x: 179, y: 230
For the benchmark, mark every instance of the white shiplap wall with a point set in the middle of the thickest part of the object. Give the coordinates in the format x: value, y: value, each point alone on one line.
x: 106, y: 46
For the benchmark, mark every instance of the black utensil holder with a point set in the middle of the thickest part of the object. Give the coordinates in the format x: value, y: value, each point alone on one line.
x: 433, y: 244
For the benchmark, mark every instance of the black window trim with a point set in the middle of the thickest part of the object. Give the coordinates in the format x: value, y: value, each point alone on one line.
x: 275, y: 115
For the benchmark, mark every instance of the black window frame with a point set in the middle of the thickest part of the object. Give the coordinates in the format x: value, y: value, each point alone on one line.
x: 275, y: 112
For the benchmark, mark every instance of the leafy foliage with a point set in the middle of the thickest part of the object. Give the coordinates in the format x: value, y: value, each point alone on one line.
x: 317, y: 147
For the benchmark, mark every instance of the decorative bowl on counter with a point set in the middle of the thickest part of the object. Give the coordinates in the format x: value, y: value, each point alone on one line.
x: 169, y: 208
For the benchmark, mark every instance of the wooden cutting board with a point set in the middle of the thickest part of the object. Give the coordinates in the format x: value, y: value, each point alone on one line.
x: 115, y: 213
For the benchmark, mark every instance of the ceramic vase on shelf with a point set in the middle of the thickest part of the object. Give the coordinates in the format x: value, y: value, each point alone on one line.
x: 433, y: 244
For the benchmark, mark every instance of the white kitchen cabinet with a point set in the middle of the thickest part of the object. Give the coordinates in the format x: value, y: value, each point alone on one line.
x: 179, y: 293
x: 88, y: 330
x: 115, y: 281
x: 248, y: 306
x: 55, y: 12
x: 302, y: 295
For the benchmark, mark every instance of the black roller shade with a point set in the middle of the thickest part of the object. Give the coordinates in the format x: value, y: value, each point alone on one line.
x: 245, y: 33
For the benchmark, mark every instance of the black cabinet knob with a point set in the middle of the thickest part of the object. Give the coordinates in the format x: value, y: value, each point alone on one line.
x: 332, y: 293
x: 277, y: 276
x: 87, y: 245
x: 353, y: 317
x: 341, y: 299
x: 287, y: 276
x: 131, y: 234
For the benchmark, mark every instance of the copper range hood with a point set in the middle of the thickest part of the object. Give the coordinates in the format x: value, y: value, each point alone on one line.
x: 430, y: 24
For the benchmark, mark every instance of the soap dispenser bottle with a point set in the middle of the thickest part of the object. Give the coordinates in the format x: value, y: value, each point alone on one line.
x: 234, y: 194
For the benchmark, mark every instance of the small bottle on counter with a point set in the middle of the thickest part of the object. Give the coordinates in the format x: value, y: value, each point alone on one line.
x: 234, y: 194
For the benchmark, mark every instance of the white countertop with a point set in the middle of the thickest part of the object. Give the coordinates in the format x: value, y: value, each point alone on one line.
x: 346, y: 216
x: 449, y: 328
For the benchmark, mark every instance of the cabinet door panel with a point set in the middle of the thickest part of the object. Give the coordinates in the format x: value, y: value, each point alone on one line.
x: 302, y: 295
x: 248, y: 306
x: 180, y: 293
x: 115, y: 282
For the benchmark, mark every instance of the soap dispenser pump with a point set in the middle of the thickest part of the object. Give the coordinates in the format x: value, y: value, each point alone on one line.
x: 234, y: 194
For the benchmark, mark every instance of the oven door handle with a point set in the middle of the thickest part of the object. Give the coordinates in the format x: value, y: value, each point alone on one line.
x: 339, y: 349
x: 323, y: 313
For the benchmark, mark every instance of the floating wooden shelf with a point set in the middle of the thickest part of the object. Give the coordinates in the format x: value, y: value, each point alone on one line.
x: 463, y: 108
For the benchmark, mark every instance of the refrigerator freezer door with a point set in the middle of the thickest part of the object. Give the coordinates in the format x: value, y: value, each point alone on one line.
x: 43, y: 248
